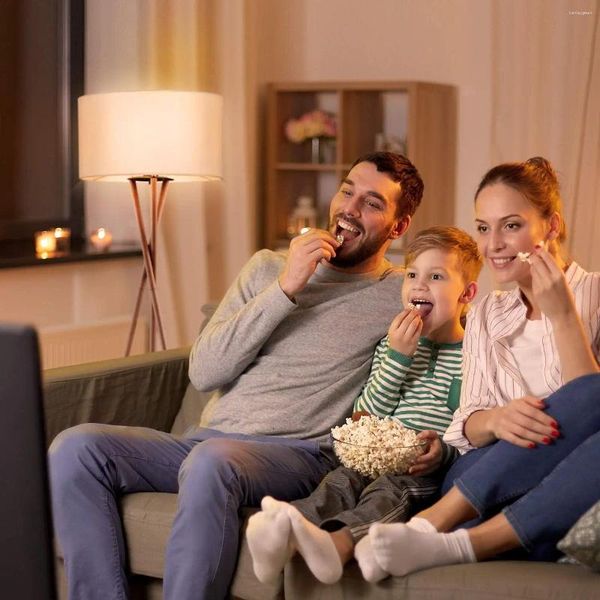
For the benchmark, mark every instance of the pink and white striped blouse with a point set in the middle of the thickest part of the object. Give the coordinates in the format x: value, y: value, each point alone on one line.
x: 491, y: 376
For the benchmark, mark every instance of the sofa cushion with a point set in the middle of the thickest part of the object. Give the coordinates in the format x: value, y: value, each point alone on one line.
x: 190, y: 412
x: 582, y: 542
x: 147, y: 518
x: 494, y: 580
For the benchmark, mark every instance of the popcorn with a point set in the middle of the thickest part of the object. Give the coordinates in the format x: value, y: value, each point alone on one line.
x: 411, y: 306
x: 525, y: 256
x: 340, y: 238
x: 374, y: 447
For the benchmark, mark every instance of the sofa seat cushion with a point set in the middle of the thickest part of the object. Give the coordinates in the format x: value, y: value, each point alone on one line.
x: 148, y: 517
x: 492, y: 580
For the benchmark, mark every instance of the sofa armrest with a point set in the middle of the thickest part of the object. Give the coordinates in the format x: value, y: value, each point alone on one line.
x: 144, y: 390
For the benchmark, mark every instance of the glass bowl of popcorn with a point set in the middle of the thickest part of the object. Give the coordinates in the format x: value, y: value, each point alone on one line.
x: 373, y: 446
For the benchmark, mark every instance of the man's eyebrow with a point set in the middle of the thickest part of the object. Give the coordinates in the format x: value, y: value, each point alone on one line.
x: 378, y: 195
x: 369, y: 193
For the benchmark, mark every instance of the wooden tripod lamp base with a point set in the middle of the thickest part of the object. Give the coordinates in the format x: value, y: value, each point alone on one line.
x: 149, y: 251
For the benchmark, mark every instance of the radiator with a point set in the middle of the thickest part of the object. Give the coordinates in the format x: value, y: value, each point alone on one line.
x: 61, y: 346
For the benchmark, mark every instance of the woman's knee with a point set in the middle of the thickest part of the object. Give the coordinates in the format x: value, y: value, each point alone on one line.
x: 577, y: 398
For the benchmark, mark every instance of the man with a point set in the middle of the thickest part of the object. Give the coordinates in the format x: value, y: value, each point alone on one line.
x: 289, y: 349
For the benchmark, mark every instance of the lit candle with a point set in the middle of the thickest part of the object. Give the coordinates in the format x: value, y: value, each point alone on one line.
x: 63, y: 239
x: 45, y: 244
x: 101, y: 239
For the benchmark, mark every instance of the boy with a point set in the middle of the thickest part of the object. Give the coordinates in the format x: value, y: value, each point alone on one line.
x: 415, y: 378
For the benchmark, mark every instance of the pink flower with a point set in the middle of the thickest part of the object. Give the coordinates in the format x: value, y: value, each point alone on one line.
x: 316, y: 123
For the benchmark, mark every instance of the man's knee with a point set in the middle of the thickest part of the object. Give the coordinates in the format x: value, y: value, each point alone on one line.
x: 212, y: 459
x: 70, y: 448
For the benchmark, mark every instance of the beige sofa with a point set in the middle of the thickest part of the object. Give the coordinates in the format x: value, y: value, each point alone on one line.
x: 152, y: 391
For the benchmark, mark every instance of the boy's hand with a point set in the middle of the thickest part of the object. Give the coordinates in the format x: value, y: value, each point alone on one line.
x: 357, y: 415
x: 404, y: 331
x: 430, y: 461
x: 306, y: 252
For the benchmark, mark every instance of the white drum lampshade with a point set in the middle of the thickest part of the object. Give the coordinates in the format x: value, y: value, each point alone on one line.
x: 165, y: 133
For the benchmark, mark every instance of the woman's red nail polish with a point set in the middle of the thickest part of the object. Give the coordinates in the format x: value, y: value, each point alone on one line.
x: 531, y: 445
x: 554, y: 424
x: 555, y: 433
x: 546, y: 439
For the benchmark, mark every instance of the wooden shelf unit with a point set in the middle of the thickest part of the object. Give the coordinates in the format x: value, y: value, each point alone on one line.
x: 423, y: 115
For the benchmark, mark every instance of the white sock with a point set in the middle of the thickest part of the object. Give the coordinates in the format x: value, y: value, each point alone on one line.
x: 365, y: 557
x: 316, y: 547
x: 421, y: 524
x: 400, y: 549
x: 269, y: 536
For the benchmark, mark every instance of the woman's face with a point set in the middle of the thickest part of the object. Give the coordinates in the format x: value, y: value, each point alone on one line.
x: 507, y: 223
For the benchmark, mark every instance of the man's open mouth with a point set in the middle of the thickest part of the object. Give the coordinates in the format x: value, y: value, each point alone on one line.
x: 347, y: 230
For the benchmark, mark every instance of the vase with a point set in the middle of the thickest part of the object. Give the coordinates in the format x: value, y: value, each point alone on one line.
x: 322, y: 150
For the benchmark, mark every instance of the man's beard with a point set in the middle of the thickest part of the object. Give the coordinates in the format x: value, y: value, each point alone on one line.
x: 364, y: 251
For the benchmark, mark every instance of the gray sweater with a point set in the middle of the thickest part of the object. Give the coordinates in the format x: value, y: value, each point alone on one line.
x: 292, y: 369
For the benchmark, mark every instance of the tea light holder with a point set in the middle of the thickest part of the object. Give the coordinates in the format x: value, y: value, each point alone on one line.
x: 63, y: 239
x: 101, y: 239
x: 45, y: 244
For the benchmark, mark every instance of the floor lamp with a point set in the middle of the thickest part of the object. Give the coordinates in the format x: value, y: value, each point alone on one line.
x: 157, y: 138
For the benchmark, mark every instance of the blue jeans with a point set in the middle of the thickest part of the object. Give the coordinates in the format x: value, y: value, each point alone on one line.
x: 541, y: 491
x: 91, y: 466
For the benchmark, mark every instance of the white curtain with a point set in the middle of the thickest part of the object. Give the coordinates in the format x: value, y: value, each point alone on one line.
x: 208, y: 229
x: 546, y: 101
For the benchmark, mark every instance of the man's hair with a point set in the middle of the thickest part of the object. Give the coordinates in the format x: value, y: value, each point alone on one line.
x: 402, y: 171
x: 450, y: 239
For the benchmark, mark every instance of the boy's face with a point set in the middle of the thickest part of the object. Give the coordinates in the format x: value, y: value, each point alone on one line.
x: 435, y: 284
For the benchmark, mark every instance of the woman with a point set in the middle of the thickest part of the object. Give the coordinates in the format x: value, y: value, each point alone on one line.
x: 533, y: 441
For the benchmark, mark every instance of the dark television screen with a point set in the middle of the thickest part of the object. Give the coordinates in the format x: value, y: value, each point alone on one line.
x: 41, y: 76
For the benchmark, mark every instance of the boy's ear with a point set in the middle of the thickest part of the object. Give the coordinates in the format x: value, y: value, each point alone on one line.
x: 400, y: 227
x: 469, y: 293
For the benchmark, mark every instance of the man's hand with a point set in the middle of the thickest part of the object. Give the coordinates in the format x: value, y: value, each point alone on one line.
x: 430, y: 461
x: 523, y: 422
x: 404, y: 331
x: 306, y: 252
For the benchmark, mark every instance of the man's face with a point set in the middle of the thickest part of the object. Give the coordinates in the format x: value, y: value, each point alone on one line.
x: 363, y: 211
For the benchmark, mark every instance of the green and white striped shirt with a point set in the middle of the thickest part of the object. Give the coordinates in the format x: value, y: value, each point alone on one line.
x: 422, y: 391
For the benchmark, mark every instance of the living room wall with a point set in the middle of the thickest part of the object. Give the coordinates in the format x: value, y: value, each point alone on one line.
x: 432, y: 40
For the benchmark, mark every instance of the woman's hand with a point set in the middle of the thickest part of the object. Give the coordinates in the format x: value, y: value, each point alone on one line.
x: 549, y: 286
x: 555, y: 299
x: 430, y: 461
x: 523, y: 422
x: 404, y: 331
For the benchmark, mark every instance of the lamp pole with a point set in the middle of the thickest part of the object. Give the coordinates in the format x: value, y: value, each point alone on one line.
x: 149, y: 251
